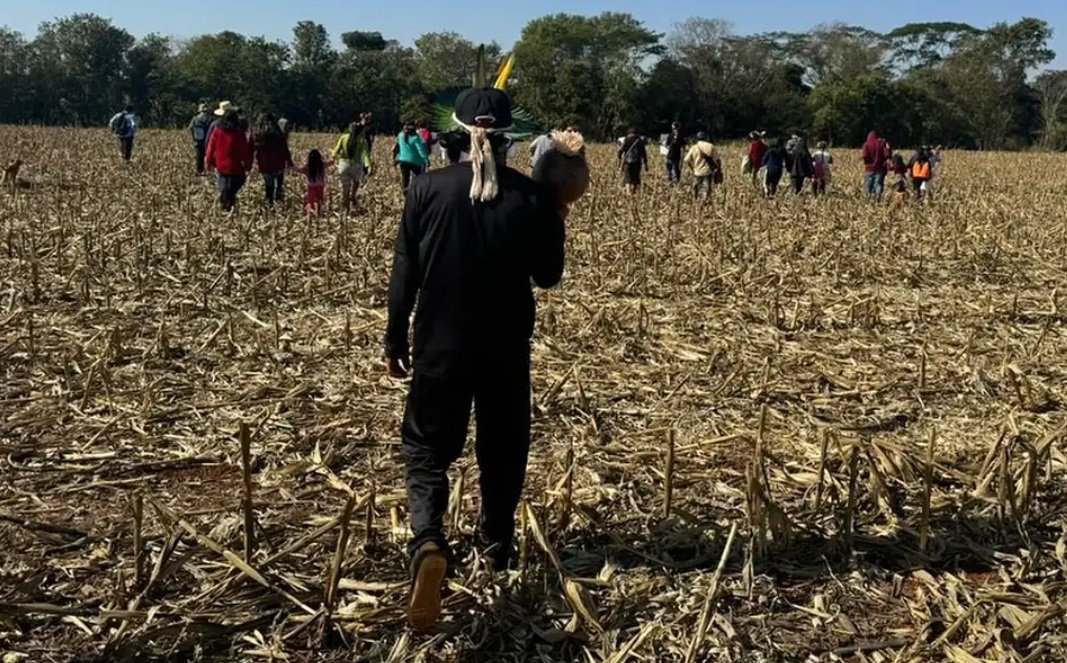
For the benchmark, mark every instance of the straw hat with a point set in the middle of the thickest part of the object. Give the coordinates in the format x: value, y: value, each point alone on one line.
x: 223, y: 107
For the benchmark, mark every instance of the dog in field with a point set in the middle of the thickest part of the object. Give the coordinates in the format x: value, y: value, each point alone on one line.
x: 11, y: 179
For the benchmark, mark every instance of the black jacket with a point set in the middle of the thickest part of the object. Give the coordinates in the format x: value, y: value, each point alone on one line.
x: 470, y: 266
x: 675, y: 146
x: 800, y: 163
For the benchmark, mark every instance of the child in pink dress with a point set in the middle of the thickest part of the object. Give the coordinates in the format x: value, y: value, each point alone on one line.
x: 315, y: 169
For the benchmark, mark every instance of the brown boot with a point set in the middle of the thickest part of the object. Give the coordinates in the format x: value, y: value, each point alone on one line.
x: 428, y: 575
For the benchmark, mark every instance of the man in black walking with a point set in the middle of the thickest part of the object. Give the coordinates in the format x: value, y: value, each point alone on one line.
x: 473, y: 237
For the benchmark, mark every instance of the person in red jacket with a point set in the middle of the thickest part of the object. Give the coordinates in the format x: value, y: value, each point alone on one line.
x: 756, y: 149
x: 876, y: 155
x: 229, y: 153
x: 271, y: 149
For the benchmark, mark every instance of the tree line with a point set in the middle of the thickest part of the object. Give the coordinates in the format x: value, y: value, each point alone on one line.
x: 949, y: 83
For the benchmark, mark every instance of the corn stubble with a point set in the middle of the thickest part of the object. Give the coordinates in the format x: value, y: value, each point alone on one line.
x: 765, y: 431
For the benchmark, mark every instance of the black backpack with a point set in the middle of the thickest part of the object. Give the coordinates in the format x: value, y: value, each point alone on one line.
x: 122, y: 126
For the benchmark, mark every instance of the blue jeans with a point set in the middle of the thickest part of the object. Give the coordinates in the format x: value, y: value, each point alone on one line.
x: 875, y: 184
x: 274, y: 184
x: 674, y: 171
x: 229, y: 185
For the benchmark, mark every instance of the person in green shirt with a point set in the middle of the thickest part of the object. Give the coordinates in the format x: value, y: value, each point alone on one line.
x: 411, y: 154
x: 352, y: 155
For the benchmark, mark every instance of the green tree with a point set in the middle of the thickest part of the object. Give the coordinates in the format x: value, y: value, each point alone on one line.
x: 309, y: 78
x: 986, y: 76
x: 741, y: 83
x: 834, y: 53
x: 446, y: 60
x: 151, y: 81
x: 14, y: 76
x: 364, y: 41
x: 583, y: 67
x: 83, y: 59
x: 247, y: 71
x: 1051, y: 87
x: 670, y: 94
x: 378, y: 81
x: 918, y: 45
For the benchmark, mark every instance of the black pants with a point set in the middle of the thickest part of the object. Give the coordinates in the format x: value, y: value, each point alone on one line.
x: 407, y: 171
x: 435, y: 429
x: 798, y: 184
x: 818, y: 187
x: 274, y: 184
x: 774, y: 178
x: 674, y: 170
x: 229, y: 185
x: 201, y: 151
x: 126, y: 147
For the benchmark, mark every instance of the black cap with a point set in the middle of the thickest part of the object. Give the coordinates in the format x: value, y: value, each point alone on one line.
x: 484, y: 107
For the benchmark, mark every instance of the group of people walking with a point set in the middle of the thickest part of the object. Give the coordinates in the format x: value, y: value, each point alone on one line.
x: 701, y: 158
x: 475, y: 238
x: 770, y: 162
x: 767, y: 164
x: 879, y: 160
x: 226, y: 144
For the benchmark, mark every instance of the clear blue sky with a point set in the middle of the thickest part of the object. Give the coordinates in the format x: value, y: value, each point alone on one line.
x: 503, y: 21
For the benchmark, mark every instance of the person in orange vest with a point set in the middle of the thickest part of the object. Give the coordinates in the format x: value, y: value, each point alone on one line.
x: 921, y: 172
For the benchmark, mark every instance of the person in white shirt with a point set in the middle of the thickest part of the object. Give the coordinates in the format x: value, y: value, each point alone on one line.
x: 823, y: 164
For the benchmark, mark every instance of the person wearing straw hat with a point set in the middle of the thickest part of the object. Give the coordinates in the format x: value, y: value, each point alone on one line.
x: 473, y: 236
x: 199, y: 127
x: 230, y: 155
x: 224, y: 106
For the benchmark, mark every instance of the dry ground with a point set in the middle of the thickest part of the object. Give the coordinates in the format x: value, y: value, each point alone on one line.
x: 798, y: 356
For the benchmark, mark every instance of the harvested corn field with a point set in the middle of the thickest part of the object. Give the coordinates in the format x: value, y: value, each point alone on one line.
x: 792, y: 430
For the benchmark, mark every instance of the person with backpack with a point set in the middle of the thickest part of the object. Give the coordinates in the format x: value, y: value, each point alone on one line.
x: 794, y: 142
x: 410, y: 154
x: 271, y: 151
x: 198, y: 128
x: 774, y: 162
x: 703, y: 161
x: 800, y: 163
x: 124, y: 126
x: 822, y: 166
x: 876, y: 156
x: 675, y: 144
x: 352, y: 155
x: 633, y: 157
x: 229, y: 154
x: 921, y: 170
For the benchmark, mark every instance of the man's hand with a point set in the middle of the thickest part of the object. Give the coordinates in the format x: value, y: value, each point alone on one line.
x: 398, y: 367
